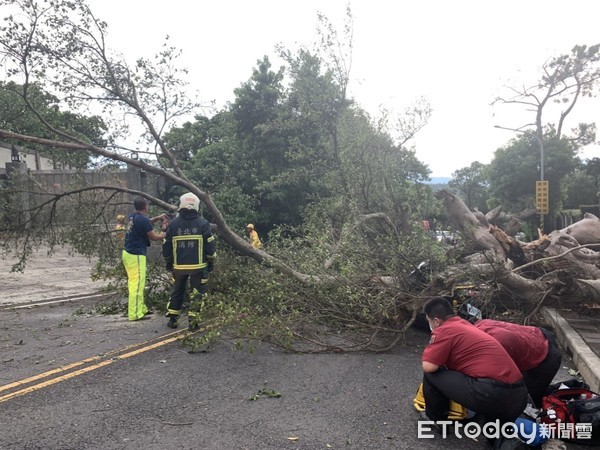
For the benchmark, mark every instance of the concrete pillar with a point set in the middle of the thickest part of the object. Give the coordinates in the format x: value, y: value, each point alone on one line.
x: 134, y: 180
x: 18, y: 207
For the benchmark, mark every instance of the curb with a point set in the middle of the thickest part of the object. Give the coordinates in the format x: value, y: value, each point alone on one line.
x: 586, y: 361
x: 31, y: 303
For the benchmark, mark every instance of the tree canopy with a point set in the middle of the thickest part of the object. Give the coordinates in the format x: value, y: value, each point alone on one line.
x: 291, y: 153
x: 338, y: 195
x: 471, y: 183
x: 16, y: 115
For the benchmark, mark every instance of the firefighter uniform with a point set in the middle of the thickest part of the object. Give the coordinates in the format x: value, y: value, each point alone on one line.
x: 253, y: 236
x: 189, y: 252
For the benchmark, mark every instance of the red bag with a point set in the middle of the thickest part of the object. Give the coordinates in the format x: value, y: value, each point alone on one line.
x: 568, y: 409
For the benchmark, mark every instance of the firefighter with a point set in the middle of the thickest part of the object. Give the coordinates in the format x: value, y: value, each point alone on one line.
x: 253, y: 236
x: 189, y: 252
x: 120, y: 229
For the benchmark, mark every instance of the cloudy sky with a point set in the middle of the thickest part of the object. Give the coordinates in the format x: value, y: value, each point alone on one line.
x: 459, y: 55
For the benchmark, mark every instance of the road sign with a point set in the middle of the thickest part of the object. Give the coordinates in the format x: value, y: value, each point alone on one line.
x: 541, y: 196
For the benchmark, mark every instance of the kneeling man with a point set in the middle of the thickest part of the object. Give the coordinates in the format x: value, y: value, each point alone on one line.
x: 464, y: 364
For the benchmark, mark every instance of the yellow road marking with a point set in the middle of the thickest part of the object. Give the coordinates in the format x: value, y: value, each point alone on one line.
x: 47, y: 374
x: 86, y: 369
x: 80, y: 363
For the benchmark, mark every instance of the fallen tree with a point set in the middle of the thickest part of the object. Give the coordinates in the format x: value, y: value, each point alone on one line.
x: 563, y: 264
x: 556, y: 268
x: 354, y: 274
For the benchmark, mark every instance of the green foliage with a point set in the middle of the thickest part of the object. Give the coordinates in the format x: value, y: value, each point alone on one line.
x: 188, y: 140
x: 592, y: 169
x: 112, y: 308
x: 337, y: 195
x: 516, y: 167
x: 201, y: 343
x: 572, y: 73
x: 265, y: 392
x: 241, y: 294
x: 579, y: 190
x: 471, y: 185
x: 274, y: 152
x: 17, y: 116
x: 158, y: 282
x: 385, y: 177
x: 249, y: 304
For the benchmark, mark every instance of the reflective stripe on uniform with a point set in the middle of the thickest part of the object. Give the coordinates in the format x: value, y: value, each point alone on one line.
x: 190, y: 238
x: 135, y: 266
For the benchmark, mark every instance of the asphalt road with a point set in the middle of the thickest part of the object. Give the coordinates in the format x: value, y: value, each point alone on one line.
x: 46, y: 277
x: 168, y: 398
x: 70, y: 379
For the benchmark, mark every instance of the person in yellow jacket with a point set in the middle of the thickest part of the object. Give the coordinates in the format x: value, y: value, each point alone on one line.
x: 253, y: 236
x: 120, y: 229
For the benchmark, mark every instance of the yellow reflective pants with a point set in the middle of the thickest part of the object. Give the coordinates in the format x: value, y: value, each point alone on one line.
x: 135, y: 266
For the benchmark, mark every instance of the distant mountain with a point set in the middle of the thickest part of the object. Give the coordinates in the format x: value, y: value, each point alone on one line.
x: 439, y: 180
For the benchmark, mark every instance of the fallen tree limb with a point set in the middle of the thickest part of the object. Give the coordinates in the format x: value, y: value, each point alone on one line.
x: 551, y: 258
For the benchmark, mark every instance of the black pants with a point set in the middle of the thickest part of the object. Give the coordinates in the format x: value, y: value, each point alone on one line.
x: 539, y: 378
x: 197, y: 281
x: 490, y: 398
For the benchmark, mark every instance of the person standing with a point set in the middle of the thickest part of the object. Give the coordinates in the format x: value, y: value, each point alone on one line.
x: 120, y: 229
x: 253, y: 236
x: 464, y: 364
x: 137, y: 239
x: 189, y: 252
x: 534, y: 350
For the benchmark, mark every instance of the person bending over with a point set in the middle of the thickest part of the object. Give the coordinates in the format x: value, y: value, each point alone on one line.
x: 464, y: 364
x: 534, y: 350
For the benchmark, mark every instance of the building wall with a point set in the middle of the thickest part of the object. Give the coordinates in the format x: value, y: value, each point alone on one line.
x: 39, y: 187
x: 31, y: 158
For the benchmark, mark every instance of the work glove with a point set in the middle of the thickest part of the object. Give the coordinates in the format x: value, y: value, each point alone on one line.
x: 210, y: 266
x: 169, y: 266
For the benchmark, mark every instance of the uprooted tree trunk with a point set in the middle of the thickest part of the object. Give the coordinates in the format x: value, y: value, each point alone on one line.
x: 563, y: 264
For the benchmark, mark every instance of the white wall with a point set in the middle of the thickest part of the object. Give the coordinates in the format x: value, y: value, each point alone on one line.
x: 28, y: 158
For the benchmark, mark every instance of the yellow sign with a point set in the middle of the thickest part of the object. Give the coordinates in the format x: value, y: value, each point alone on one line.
x: 541, y: 196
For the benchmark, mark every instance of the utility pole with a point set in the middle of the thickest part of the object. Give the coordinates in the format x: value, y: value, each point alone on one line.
x: 542, y: 188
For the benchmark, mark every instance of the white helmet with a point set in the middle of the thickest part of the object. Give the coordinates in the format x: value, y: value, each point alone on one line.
x: 189, y: 201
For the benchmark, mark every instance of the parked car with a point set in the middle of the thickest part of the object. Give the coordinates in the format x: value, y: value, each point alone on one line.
x: 521, y: 236
x: 445, y: 236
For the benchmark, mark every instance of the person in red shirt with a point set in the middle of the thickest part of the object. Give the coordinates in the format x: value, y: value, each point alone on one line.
x: 534, y: 350
x: 464, y: 364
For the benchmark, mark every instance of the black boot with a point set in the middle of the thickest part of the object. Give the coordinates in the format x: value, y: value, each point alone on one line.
x: 172, y: 323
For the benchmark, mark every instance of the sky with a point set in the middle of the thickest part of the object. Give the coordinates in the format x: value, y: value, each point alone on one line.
x: 458, y: 55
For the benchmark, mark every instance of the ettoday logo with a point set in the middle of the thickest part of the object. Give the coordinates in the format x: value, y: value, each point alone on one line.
x: 529, y: 432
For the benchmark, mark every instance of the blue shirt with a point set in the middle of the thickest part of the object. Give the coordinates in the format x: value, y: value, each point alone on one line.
x: 136, y: 239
